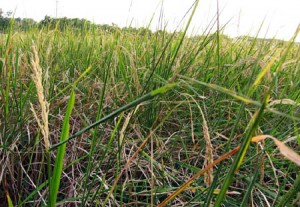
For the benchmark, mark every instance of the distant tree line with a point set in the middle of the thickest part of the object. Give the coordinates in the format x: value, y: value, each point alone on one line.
x: 18, y: 23
x: 62, y: 24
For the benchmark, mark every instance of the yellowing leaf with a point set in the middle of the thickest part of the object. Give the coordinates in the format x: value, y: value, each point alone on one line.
x: 283, y: 101
x: 216, y: 191
x: 284, y: 150
x: 267, y: 68
x: 260, y: 138
x: 10, y: 204
x: 287, y: 152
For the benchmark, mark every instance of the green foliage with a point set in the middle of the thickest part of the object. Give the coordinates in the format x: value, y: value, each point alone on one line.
x: 59, y: 161
x: 117, y: 73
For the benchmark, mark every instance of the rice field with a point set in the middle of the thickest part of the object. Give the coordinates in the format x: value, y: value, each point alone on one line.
x: 95, y: 117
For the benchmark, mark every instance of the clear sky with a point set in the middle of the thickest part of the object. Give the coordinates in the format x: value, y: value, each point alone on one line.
x: 242, y: 17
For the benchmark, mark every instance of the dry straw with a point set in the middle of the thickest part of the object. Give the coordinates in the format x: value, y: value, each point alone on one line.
x: 284, y: 150
x: 37, y: 78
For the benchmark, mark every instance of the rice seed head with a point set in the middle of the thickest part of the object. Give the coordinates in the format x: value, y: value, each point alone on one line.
x: 208, y: 176
x: 36, y: 76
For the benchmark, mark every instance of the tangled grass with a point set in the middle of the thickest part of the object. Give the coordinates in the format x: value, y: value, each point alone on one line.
x: 128, y: 118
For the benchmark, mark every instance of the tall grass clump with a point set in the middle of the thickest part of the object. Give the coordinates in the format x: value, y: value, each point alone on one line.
x: 128, y: 117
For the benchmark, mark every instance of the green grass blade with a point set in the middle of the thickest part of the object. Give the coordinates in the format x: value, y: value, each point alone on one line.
x: 33, y: 193
x: 293, y: 191
x: 239, y: 97
x: 265, y: 70
x: 177, y: 45
x: 187, y: 183
x: 93, y: 144
x: 235, y: 95
x: 57, y: 171
x: 251, y: 185
x: 252, y: 126
x: 111, y: 139
x: 9, y: 201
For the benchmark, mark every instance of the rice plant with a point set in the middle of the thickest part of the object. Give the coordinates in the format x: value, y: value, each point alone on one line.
x: 124, y: 117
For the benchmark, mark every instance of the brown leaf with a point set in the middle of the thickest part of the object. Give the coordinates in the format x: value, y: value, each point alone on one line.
x: 287, y: 152
x: 260, y: 138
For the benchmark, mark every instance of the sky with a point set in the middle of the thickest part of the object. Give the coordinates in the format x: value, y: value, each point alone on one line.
x: 279, y: 18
